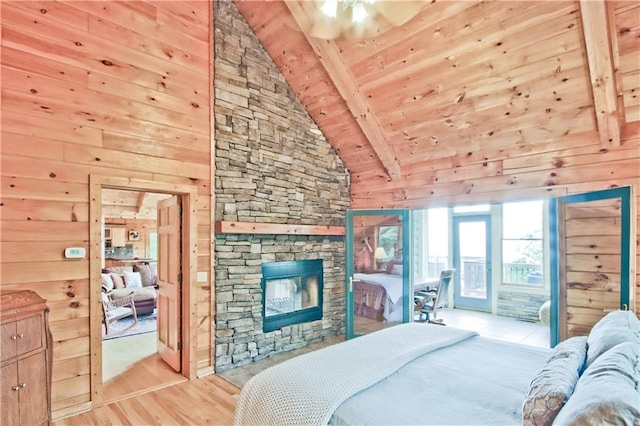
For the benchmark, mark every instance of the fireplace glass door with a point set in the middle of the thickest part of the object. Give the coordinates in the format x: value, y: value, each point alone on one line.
x: 285, y: 295
x: 291, y: 293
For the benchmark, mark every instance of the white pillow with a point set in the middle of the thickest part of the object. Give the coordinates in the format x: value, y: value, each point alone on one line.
x: 107, y: 282
x: 616, y: 327
x: 397, y: 269
x: 607, y: 392
x: 132, y: 279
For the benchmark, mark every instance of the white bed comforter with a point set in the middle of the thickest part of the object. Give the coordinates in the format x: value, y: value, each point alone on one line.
x: 479, y: 381
x: 307, y: 389
x: 392, y: 285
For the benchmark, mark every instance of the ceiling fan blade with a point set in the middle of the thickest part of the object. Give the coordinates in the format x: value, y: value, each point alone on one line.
x: 398, y: 12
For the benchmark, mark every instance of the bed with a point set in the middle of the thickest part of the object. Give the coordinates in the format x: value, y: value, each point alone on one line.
x: 378, y: 295
x: 428, y: 374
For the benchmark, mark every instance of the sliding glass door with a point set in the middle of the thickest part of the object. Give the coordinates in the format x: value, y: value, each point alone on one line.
x: 472, y: 262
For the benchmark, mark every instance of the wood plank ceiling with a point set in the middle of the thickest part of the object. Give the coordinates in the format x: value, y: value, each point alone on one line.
x: 122, y: 204
x: 460, y: 79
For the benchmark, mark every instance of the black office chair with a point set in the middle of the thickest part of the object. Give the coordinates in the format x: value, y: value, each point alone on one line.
x: 429, y: 302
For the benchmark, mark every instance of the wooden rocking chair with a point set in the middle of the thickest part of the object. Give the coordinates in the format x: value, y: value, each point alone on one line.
x: 115, y: 309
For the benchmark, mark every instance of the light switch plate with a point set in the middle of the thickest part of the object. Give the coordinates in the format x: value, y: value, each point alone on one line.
x: 202, y: 277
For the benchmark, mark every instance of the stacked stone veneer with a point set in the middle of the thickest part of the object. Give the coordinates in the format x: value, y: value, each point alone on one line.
x: 523, y: 306
x: 273, y: 165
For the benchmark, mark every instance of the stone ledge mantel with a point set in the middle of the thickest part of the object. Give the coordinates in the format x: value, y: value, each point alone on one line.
x: 230, y: 227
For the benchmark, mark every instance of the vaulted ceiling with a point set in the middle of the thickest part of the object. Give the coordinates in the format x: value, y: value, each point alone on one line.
x: 461, y: 78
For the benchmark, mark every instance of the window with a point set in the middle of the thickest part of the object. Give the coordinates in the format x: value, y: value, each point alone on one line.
x: 153, y: 245
x: 388, y: 238
x: 438, y: 234
x: 522, y: 244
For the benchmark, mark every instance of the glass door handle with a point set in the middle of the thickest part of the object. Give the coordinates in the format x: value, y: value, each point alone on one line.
x: 624, y: 307
x: 351, y: 281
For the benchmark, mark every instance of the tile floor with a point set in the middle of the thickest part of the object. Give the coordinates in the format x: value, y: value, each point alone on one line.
x: 501, y: 328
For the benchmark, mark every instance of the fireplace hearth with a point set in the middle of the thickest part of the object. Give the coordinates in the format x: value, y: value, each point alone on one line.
x: 291, y: 293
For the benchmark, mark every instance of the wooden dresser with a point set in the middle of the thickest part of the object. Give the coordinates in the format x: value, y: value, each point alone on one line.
x: 25, y: 359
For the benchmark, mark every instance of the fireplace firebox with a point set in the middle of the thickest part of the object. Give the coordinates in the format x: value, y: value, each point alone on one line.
x: 291, y: 293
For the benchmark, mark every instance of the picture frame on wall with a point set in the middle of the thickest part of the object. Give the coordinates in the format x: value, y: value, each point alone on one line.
x: 134, y: 235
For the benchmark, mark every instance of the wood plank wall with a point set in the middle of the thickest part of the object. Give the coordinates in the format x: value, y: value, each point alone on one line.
x: 592, y: 272
x: 573, y: 164
x: 96, y: 87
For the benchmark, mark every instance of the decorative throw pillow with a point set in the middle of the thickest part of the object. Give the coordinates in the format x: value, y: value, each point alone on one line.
x: 107, y: 282
x: 573, y: 346
x: 118, y: 281
x: 132, y: 279
x: 149, y: 274
x: 554, y: 384
x: 607, y: 392
x: 616, y: 327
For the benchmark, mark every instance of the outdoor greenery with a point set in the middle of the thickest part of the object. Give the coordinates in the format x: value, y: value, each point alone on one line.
x: 388, y: 237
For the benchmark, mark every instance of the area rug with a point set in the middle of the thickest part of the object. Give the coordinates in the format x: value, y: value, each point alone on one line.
x: 147, y: 323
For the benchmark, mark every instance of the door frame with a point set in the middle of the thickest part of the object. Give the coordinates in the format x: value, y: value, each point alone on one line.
x: 188, y: 196
x: 407, y: 284
x: 627, y: 248
x: 486, y: 306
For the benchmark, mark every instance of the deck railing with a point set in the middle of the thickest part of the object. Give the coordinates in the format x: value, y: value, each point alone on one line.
x: 474, y: 271
x: 522, y: 273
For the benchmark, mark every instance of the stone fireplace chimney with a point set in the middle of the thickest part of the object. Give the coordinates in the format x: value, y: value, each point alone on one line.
x: 273, y: 166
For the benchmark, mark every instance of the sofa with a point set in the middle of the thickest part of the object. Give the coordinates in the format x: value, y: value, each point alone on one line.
x: 140, y: 281
x: 590, y: 380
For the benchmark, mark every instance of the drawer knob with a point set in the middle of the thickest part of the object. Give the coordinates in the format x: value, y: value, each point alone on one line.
x: 21, y: 335
x: 15, y: 388
x: 23, y: 385
x: 14, y: 337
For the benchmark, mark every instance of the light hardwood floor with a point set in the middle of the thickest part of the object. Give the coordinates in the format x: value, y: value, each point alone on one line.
x: 143, y: 390
x: 132, y: 366
x: 209, y: 400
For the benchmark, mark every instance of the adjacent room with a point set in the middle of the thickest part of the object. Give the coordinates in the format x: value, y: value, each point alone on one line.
x: 263, y: 179
x: 129, y: 276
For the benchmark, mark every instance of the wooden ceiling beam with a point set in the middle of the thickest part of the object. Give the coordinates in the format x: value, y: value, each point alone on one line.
x: 142, y: 198
x: 344, y: 81
x: 601, y: 52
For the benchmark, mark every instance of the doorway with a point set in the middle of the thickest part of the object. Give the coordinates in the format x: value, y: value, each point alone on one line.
x: 132, y: 350
x: 472, y: 262
x: 183, y: 249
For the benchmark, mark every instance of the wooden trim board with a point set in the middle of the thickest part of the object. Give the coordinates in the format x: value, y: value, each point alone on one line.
x: 227, y: 227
